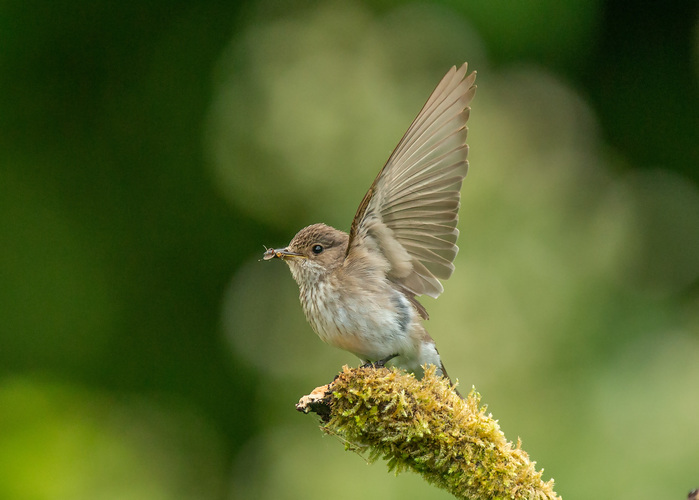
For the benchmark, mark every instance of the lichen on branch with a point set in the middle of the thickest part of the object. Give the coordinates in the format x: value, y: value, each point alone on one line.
x: 424, y: 426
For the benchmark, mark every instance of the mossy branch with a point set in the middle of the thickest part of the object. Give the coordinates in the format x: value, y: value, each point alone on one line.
x: 424, y: 426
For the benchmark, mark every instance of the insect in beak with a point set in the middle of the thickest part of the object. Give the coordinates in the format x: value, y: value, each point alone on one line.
x: 279, y: 253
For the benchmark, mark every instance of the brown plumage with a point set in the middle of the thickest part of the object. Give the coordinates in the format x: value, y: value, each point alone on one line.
x: 358, y: 290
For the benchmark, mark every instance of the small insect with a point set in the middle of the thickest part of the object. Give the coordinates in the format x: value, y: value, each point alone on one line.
x: 269, y: 254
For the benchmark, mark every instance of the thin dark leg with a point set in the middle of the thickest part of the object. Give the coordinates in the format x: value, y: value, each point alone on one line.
x: 379, y: 363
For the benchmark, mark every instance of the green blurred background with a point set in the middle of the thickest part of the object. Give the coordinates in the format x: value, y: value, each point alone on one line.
x: 149, y: 149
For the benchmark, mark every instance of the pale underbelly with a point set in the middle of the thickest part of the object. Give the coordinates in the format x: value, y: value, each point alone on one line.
x: 364, y: 328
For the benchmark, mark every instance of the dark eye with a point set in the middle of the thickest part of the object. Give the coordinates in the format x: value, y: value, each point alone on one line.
x: 317, y: 249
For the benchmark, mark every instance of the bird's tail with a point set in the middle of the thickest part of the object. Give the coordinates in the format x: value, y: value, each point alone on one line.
x: 451, y: 382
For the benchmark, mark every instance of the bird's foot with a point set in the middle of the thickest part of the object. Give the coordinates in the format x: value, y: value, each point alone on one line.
x: 381, y: 363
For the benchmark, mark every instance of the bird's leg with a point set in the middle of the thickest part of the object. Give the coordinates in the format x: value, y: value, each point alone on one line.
x: 381, y: 363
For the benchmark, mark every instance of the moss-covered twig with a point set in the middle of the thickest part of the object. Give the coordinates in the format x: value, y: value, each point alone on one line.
x: 423, y: 425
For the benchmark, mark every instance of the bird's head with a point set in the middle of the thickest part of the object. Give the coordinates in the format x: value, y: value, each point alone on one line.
x: 313, y: 253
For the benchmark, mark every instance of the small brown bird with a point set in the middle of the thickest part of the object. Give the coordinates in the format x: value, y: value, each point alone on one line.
x: 358, y: 290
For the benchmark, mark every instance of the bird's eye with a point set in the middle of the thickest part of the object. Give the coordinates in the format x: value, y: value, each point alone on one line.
x: 317, y: 249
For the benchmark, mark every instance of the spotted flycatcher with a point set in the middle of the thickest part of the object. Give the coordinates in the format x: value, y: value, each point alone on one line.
x: 358, y: 290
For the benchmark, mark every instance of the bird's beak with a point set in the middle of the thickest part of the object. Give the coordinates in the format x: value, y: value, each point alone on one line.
x: 280, y: 253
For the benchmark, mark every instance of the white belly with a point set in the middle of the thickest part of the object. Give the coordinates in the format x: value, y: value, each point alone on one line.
x: 370, y: 329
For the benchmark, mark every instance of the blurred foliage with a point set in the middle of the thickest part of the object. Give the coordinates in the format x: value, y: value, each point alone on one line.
x: 148, y: 150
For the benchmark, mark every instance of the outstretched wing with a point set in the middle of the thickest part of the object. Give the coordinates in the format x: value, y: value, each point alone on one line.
x: 410, y: 211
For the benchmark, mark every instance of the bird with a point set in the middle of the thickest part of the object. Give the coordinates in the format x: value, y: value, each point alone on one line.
x: 359, y: 290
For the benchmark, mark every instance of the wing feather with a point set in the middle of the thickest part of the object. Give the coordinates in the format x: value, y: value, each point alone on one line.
x: 411, y: 210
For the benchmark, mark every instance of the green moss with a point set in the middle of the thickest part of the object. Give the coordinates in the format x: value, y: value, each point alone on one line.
x: 424, y: 426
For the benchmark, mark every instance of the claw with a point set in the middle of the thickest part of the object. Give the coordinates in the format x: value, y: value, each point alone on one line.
x: 381, y: 363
